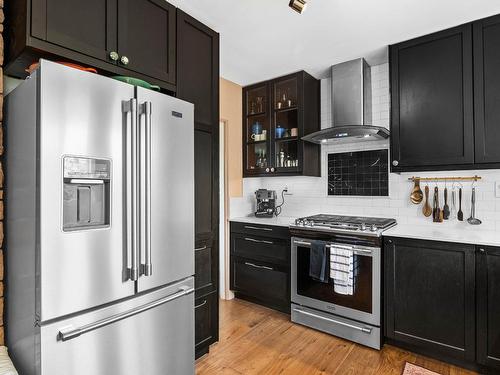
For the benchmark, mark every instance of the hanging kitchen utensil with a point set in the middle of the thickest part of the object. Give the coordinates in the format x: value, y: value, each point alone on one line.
x: 416, y: 195
x: 453, y: 213
x: 436, y: 213
x: 446, y: 208
x: 427, y: 209
x: 473, y: 220
x: 460, y: 214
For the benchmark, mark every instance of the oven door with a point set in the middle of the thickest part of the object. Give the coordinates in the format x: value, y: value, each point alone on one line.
x: 362, y: 303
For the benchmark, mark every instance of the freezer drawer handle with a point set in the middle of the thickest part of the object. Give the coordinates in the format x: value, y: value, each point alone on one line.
x: 362, y: 329
x: 258, y: 228
x: 200, y: 248
x: 69, y: 332
x: 256, y: 266
x: 259, y: 241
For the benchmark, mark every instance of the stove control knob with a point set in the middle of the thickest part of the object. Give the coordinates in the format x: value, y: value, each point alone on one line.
x: 310, y: 223
x: 306, y: 223
x: 373, y: 228
x: 363, y: 227
x: 298, y: 222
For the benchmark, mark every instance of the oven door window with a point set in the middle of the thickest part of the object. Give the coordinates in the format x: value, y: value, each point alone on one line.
x: 355, y: 294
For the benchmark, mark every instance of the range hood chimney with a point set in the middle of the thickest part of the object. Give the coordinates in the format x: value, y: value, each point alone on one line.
x: 351, y: 107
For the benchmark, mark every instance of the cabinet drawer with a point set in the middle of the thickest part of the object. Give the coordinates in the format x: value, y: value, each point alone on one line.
x: 205, y: 315
x: 263, y: 248
x: 261, y: 281
x: 261, y: 230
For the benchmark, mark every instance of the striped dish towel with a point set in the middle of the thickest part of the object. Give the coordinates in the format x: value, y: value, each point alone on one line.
x: 343, y: 270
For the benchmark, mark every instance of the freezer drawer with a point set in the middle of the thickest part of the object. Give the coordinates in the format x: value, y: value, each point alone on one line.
x: 157, y: 340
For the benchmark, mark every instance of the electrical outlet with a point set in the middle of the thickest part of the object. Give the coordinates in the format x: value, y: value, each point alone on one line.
x: 497, y: 189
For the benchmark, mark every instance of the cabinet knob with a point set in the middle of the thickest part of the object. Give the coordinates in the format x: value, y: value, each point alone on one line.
x: 113, y: 55
x: 395, y: 163
x: 267, y: 170
x: 124, y: 60
x: 272, y: 169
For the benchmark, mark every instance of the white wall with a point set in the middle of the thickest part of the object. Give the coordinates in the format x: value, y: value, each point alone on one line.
x: 309, y: 194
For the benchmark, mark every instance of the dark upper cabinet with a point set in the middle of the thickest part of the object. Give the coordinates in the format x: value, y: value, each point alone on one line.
x: 488, y: 306
x: 276, y: 115
x: 124, y: 37
x: 146, y: 37
x: 88, y: 27
x: 198, y: 51
x: 487, y: 90
x: 429, y: 299
x: 432, y: 101
x: 445, y: 89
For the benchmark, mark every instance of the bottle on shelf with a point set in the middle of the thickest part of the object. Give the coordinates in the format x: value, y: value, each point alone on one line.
x: 281, y: 158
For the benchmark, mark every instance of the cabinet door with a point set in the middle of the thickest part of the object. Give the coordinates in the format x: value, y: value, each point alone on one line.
x: 257, y: 157
x: 431, y: 101
x: 488, y: 306
x: 198, y: 68
x: 146, y: 38
x: 206, y: 322
x: 88, y: 27
x: 429, y: 296
x: 205, y: 269
x: 487, y: 90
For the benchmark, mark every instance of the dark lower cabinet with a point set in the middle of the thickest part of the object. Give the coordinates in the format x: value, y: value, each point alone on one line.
x: 430, y: 297
x: 443, y: 300
x: 260, y: 264
x: 206, y: 322
x: 488, y: 307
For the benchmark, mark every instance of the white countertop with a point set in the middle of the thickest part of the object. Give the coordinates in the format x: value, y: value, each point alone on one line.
x: 456, y: 232
x: 447, y: 232
x: 280, y: 221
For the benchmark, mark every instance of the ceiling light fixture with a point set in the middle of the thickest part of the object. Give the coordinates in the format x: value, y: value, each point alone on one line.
x: 298, y: 5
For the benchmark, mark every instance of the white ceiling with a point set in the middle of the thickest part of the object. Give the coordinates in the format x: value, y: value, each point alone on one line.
x: 262, y: 39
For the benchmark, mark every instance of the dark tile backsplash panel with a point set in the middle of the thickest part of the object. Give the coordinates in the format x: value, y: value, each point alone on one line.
x: 364, y: 173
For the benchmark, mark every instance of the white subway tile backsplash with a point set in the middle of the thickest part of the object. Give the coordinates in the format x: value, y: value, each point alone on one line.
x: 309, y: 194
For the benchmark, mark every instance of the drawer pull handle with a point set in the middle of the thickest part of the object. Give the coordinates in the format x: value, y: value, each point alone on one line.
x: 201, y: 304
x: 261, y: 267
x: 200, y: 248
x: 259, y: 241
x: 258, y: 228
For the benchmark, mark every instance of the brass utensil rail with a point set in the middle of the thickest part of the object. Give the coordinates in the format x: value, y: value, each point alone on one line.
x: 444, y: 179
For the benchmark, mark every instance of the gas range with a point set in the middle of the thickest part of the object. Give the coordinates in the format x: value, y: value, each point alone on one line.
x: 366, y: 226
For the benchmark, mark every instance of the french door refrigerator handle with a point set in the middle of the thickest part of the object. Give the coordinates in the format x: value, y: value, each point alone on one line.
x: 131, y: 189
x: 69, y: 332
x: 147, y: 266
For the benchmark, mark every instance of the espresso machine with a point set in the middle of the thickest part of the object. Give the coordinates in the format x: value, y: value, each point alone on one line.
x: 266, y: 203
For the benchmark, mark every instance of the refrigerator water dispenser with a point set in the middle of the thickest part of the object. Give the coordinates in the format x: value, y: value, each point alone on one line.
x: 86, y: 200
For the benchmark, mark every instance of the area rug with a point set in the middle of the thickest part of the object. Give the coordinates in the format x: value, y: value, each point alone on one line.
x: 411, y: 369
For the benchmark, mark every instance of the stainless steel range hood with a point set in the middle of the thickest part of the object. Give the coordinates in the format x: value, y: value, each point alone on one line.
x: 351, y: 107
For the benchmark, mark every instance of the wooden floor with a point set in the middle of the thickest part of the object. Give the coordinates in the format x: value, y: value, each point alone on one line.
x: 257, y: 340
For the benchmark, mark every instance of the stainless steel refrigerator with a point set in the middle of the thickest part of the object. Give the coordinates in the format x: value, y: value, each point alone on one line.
x: 99, y: 227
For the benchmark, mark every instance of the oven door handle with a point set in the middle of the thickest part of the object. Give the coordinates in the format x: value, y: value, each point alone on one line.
x: 356, y: 249
x: 367, y: 330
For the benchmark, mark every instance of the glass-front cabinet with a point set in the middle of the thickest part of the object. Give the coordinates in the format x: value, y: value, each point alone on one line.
x: 276, y: 115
